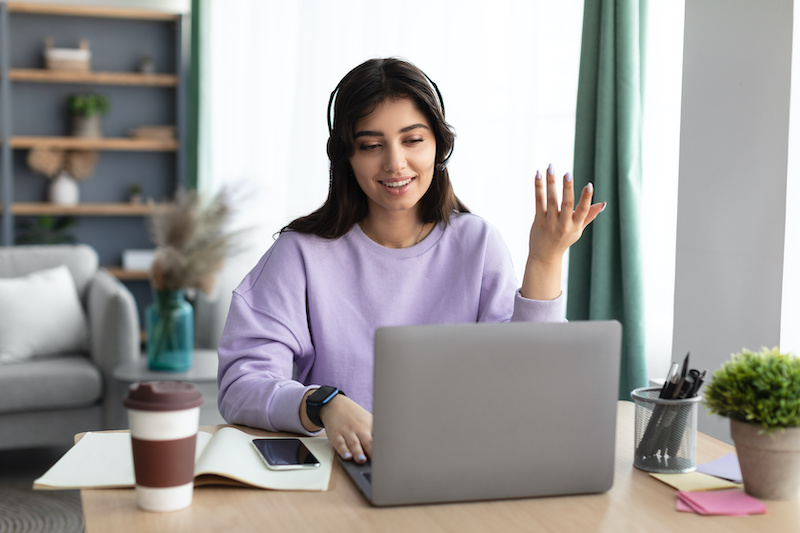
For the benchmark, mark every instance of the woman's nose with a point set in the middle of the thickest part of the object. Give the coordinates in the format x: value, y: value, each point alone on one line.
x: 394, y: 159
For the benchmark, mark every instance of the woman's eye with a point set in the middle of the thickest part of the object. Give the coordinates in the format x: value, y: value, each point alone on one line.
x: 368, y: 147
x: 414, y: 141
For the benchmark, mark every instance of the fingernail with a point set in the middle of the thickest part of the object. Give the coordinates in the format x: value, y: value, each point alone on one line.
x: 590, y: 187
x: 361, y: 458
x: 568, y: 177
x: 550, y: 169
x: 538, y: 175
x: 605, y: 204
x: 347, y: 455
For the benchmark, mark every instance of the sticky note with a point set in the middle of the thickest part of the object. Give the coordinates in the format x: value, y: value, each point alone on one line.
x: 694, y: 481
x: 720, y: 502
x: 725, y: 467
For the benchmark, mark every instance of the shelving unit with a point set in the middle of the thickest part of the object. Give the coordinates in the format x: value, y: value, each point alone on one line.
x: 32, y: 115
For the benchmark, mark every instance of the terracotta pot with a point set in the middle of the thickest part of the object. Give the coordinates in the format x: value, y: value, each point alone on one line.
x: 770, y: 463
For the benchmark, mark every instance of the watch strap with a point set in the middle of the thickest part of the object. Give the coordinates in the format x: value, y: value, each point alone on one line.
x: 317, y: 400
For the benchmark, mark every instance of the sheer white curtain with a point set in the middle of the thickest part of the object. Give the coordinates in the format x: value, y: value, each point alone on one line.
x: 507, y: 70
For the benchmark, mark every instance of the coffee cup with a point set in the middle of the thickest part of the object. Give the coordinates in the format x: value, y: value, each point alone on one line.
x: 164, y: 416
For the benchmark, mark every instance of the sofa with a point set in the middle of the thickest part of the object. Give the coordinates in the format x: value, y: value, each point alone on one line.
x: 65, y: 324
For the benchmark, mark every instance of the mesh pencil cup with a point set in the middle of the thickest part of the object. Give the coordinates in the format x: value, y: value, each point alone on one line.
x: 665, y: 432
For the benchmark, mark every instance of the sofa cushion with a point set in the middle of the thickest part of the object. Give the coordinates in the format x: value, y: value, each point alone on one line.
x: 40, y: 314
x: 53, y: 383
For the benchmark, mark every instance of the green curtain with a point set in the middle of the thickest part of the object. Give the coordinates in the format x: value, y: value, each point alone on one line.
x: 605, y: 270
x: 193, y: 99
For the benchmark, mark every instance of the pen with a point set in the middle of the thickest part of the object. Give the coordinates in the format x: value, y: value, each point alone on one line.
x: 666, y: 389
x: 684, y: 369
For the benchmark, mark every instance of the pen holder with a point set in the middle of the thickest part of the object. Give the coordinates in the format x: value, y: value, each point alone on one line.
x: 665, y: 432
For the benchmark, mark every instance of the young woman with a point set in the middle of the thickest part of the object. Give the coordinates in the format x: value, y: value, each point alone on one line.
x: 391, y: 245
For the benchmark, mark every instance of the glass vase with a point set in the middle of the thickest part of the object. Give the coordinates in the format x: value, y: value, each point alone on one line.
x: 169, y: 322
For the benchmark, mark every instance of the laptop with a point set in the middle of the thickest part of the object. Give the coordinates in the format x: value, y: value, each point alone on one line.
x: 468, y: 412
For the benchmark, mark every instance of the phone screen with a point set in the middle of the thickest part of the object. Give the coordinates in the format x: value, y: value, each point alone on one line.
x: 285, y: 454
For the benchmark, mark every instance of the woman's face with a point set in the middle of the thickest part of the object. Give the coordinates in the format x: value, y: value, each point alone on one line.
x: 394, y: 158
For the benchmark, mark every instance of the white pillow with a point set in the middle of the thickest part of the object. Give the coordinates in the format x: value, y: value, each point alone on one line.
x: 40, y: 314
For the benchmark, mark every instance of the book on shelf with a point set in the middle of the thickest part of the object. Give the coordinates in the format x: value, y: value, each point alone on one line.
x: 104, y: 460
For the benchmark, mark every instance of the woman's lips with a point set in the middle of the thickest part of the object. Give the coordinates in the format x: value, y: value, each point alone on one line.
x: 396, y: 186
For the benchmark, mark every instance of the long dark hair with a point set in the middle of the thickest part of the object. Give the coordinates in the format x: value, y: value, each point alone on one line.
x: 357, y: 95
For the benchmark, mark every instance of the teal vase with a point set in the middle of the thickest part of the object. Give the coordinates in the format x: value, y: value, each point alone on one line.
x: 169, y: 322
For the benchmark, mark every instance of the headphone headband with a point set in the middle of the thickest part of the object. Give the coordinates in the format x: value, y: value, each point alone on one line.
x: 443, y: 164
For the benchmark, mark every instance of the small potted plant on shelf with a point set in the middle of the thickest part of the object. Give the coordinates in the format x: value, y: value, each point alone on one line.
x: 760, y: 393
x: 135, y: 193
x: 147, y: 65
x: 46, y: 229
x: 86, y: 111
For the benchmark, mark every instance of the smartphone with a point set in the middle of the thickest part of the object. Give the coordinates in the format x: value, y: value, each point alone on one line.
x: 285, y: 453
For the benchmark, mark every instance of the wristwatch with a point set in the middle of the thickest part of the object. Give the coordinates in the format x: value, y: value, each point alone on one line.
x: 318, y: 399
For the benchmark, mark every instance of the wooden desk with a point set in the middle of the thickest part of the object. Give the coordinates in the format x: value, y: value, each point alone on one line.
x: 637, y: 502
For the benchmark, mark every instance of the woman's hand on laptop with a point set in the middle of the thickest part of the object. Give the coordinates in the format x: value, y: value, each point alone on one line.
x: 348, y: 427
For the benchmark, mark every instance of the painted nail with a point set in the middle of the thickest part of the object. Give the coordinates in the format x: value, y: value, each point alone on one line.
x: 550, y: 169
x: 361, y: 458
x: 605, y: 204
x: 347, y: 455
x: 538, y: 175
x: 568, y: 177
x: 590, y: 187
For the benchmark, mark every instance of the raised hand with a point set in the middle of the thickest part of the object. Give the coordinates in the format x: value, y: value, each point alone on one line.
x: 555, y: 228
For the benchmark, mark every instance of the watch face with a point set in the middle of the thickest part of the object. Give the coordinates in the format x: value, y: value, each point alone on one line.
x: 323, y: 395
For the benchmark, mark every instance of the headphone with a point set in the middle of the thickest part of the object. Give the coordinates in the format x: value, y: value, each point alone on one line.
x: 443, y: 164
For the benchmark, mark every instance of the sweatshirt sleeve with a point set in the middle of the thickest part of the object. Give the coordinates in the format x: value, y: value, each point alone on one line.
x: 265, y: 341
x: 526, y: 310
x: 500, y: 296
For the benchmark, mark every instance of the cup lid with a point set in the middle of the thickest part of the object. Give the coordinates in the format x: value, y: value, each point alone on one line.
x: 163, y: 396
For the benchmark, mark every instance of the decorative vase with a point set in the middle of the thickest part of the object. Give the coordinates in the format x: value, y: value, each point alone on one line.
x: 64, y: 189
x: 87, y: 125
x: 770, y: 463
x: 169, y: 323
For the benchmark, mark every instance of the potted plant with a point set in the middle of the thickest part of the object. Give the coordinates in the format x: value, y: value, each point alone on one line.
x: 86, y: 111
x: 135, y: 193
x: 760, y: 393
x: 147, y: 65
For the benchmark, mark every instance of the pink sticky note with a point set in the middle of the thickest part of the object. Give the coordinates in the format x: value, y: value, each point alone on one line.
x: 682, y: 506
x: 722, y: 502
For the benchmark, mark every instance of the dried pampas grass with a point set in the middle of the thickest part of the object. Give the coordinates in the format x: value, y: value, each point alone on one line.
x: 192, y: 242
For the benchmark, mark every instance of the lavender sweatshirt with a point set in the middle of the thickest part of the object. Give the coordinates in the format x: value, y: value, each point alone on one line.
x: 306, y: 315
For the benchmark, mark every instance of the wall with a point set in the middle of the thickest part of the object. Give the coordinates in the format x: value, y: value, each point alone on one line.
x: 733, y: 181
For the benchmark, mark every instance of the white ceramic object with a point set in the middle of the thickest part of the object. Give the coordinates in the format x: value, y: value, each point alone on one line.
x: 64, y: 189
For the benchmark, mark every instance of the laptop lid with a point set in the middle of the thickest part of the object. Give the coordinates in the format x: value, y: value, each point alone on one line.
x: 493, y: 411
